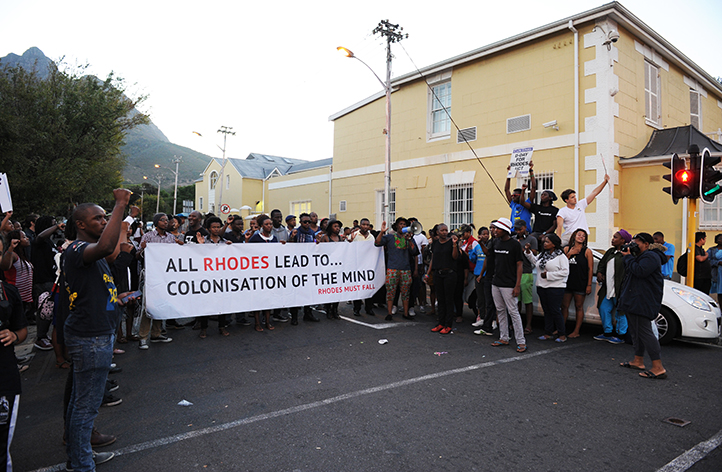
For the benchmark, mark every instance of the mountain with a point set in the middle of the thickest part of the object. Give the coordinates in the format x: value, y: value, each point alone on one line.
x: 145, y: 145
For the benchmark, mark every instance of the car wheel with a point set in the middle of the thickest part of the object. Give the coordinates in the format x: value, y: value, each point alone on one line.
x: 667, y: 325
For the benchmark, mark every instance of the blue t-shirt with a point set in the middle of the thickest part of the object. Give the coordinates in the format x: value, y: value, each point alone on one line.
x: 91, y: 292
x: 518, y: 212
x: 668, y: 267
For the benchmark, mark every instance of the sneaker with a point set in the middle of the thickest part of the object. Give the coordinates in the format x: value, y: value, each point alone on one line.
x: 412, y: 312
x: 110, y: 400
x: 602, y: 337
x: 112, y: 388
x: 243, y: 322
x: 280, y: 318
x: 422, y: 309
x: 437, y: 328
x: 43, y: 344
x: 477, y: 323
x: 485, y: 333
x: 161, y: 339
x: 98, y: 439
x: 114, y: 369
x: 143, y: 344
x: 614, y: 340
x: 446, y: 330
x: 394, y: 310
x: 98, y: 458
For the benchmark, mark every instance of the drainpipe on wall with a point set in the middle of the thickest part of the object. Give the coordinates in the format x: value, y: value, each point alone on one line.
x: 330, y: 189
x: 576, y: 106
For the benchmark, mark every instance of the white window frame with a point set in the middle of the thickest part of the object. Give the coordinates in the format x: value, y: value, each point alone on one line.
x: 200, y: 203
x: 380, y: 197
x: 228, y: 182
x: 436, y: 84
x: 458, y: 204
x: 213, y: 180
x: 299, y: 206
x: 695, y: 95
x: 342, y: 205
x: 544, y: 181
x: 652, y: 86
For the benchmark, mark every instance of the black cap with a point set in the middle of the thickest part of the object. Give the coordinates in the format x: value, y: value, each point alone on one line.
x: 646, y: 237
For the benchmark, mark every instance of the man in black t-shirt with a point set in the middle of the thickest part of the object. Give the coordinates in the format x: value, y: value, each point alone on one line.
x: 91, y: 323
x: 13, y: 330
x: 195, y: 226
x: 506, y: 259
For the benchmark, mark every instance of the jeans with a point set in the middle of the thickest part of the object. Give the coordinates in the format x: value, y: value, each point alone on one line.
x: 607, y: 309
x: 505, y: 302
x: 91, y: 358
x: 551, y: 302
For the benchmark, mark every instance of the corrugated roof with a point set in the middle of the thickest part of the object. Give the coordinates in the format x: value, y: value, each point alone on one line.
x: 260, y: 166
x: 665, y: 142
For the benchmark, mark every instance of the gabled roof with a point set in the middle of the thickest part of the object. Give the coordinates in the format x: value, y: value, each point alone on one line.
x: 262, y: 166
x: 614, y: 10
x: 665, y: 142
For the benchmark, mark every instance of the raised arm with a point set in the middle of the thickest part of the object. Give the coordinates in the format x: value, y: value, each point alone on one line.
x: 598, y: 190
x: 507, y: 185
x: 109, y: 238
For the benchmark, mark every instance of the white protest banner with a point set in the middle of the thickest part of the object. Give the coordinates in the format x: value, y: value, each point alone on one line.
x: 6, y: 201
x: 205, y: 279
x: 519, y: 162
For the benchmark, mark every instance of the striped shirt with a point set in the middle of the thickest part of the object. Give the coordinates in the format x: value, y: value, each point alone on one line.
x: 154, y: 237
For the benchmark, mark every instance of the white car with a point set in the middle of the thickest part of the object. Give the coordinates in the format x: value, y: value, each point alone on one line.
x: 685, y: 312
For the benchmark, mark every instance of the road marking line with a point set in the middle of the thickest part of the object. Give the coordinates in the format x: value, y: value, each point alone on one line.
x: 378, y: 325
x: 690, y: 457
x: 308, y: 406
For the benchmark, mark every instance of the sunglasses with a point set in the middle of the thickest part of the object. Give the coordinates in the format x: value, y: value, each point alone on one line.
x: 305, y: 222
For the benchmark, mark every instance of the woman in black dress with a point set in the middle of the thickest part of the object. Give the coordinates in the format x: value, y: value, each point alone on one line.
x: 579, y: 283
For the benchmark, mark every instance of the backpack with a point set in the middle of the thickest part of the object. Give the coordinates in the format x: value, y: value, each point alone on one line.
x: 46, y: 305
x: 682, y: 264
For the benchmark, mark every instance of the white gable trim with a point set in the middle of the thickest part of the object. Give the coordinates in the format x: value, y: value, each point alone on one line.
x: 694, y: 85
x: 651, y: 55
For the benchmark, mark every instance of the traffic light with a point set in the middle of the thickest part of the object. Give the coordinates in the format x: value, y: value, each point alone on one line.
x: 683, y: 180
x: 709, y: 177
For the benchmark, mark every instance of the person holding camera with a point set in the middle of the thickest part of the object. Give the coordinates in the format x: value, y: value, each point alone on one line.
x: 641, y: 299
x: 610, y: 275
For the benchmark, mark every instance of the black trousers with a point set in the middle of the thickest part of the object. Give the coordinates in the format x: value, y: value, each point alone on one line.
x: 445, y: 284
x: 643, y: 337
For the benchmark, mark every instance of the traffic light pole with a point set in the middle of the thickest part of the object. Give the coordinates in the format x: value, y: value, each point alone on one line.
x: 691, y: 245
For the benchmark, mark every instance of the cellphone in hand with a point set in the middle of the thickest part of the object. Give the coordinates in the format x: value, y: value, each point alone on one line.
x: 135, y: 294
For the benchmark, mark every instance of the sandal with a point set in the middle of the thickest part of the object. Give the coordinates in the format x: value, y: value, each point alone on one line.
x: 259, y: 329
x: 647, y: 374
x: 122, y: 340
x: 627, y: 365
x: 224, y: 332
x: 203, y: 334
x: 63, y: 365
x: 269, y: 327
x: 521, y: 348
x: 500, y: 343
x: 118, y: 351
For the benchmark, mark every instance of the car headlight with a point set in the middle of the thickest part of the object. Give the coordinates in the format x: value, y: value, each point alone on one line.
x: 693, y: 299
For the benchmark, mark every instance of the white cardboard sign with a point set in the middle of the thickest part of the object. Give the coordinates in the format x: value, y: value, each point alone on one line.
x: 519, y: 162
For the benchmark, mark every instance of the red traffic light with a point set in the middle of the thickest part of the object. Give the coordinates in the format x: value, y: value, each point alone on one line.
x: 683, y: 176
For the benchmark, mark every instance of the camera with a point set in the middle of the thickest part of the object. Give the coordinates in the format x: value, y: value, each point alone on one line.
x: 633, y: 248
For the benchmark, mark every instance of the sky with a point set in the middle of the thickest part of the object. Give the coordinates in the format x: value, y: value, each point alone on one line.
x: 271, y: 70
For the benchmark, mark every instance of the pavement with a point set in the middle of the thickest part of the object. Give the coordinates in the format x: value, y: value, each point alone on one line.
x: 328, y: 396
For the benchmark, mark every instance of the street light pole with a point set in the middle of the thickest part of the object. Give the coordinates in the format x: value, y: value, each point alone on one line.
x: 225, y: 130
x: 177, y: 160
x: 393, y: 35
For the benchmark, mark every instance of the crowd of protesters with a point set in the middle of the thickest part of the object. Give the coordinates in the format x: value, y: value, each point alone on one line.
x: 85, y: 280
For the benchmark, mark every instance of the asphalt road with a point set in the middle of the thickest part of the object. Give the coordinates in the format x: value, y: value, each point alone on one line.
x: 328, y: 397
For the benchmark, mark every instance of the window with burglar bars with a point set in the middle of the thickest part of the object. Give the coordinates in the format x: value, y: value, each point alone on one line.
x: 711, y: 215
x: 459, y: 205
x: 544, y: 181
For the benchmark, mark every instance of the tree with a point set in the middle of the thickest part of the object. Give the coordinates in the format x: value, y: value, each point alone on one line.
x: 60, y: 137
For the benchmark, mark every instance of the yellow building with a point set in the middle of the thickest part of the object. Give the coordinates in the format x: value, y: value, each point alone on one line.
x: 245, y: 183
x: 582, y: 92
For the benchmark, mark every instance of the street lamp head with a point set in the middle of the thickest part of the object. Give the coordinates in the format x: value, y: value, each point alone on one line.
x: 156, y: 166
x: 345, y: 52
x: 145, y: 177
